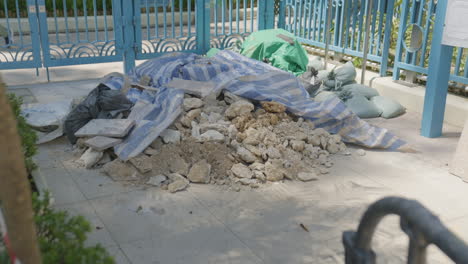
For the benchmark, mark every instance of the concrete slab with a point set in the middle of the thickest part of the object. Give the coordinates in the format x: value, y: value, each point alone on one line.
x: 101, y: 143
x: 117, y: 254
x: 106, y: 127
x: 64, y: 189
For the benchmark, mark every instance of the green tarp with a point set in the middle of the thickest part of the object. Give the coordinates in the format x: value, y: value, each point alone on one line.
x: 279, y: 47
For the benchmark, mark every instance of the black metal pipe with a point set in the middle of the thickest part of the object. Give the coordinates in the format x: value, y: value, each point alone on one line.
x: 419, y: 219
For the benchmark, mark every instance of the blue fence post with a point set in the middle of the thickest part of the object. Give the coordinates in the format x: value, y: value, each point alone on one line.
x: 35, y: 39
x: 401, y: 35
x: 44, y: 34
x: 440, y: 61
x: 266, y: 14
x: 203, y: 26
x: 129, y: 55
x: 282, y: 14
x: 387, y: 37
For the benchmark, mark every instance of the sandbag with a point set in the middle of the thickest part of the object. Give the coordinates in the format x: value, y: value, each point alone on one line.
x: 340, y: 76
x: 390, y: 108
x: 362, y: 107
x: 101, y: 103
x: 322, y: 75
x: 316, y: 63
x: 279, y: 47
x: 359, y: 89
x: 324, y: 95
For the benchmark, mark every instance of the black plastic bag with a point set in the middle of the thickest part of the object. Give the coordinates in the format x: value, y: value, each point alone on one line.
x: 101, y: 103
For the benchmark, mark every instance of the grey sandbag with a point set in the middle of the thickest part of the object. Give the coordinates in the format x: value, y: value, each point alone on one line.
x: 340, y: 76
x: 362, y: 107
x: 322, y: 75
x: 101, y: 103
x: 316, y: 63
x: 390, y: 108
x: 359, y: 89
x: 324, y: 95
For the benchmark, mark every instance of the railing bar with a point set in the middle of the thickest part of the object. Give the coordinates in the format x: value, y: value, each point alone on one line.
x: 75, y: 13
x: 18, y: 16
x: 295, y: 18
x: 355, y: 24
x: 336, y: 25
x: 245, y: 16
x: 300, y: 19
x: 412, y: 15
x: 5, y: 6
x: 54, y: 6
x: 223, y: 16
x: 189, y: 18
x: 65, y: 14
x: 314, y: 19
x: 181, y: 18
x: 310, y: 19
x: 374, y: 19
x: 156, y: 20
x: 165, y: 21
x: 419, y: 19
x: 106, y: 33
x: 381, y: 20
x: 427, y: 30
x: 348, y: 23
x: 230, y: 16
x: 85, y: 13
x: 148, y: 28
x: 361, y: 25
x: 465, y: 73
x: 238, y: 16
x: 342, y: 23
x: 320, y: 19
x: 252, y: 15
x: 458, y: 61
x: 173, y: 18
x: 96, y: 30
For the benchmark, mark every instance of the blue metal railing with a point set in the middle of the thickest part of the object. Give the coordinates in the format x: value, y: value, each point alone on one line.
x: 307, y: 20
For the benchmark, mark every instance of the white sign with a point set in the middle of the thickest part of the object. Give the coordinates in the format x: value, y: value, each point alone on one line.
x: 456, y: 24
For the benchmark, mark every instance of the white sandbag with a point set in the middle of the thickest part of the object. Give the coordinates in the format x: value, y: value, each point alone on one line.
x: 362, y: 107
x: 316, y: 63
x: 359, y: 89
x: 390, y: 108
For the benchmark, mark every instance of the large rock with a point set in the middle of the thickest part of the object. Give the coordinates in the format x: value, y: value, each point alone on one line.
x: 90, y: 158
x: 120, y: 171
x: 157, y: 180
x: 170, y: 136
x: 242, y: 171
x: 273, y: 107
x: 307, y: 176
x: 142, y: 162
x: 246, y: 155
x: 179, y: 166
x: 211, y: 135
x: 239, y: 108
x: 192, y: 103
x: 177, y: 186
x: 274, y: 171
x: 189, y: 117
x: 200, y: 172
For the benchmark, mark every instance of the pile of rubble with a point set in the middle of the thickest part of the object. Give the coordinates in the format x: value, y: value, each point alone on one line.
x: 225, y: 140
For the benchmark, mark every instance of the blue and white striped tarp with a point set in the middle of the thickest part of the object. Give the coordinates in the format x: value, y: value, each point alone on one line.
x: 155, y: 111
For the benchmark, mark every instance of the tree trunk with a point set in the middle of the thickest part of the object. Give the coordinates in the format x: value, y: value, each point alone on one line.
x: 15, y: 191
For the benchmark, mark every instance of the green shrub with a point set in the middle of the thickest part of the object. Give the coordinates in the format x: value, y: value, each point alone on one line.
x: 28, y: 136
x: 62, y: 237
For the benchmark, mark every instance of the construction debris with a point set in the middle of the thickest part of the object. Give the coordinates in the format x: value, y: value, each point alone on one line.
x: 101, y: 143
x: 106, y: 127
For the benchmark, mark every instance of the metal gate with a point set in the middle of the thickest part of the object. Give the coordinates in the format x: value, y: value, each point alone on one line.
x: 19, y: 35
x: 52, y: 33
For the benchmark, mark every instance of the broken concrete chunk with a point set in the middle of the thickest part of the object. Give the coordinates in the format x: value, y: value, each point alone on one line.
x: 90, y: 158
x: 150, y: 151
x: 120, y: 171
x: 200, y: 172
x: 324, y: 170
x: 245, y: 181
x: 177, y: 186
x: 256, y: 151
x: 170, y: 136
x: 106, y: 127
x: 239, y: 108
x: 101, y: 143
x: 257, y: 166
x: 221, y: 128
x: 272, y: 153
x: 361, y: 152
x: 252, y: 137
x: 242, y: 171
x: 192, y: 103
x: 211, y: 135
x: 231, y: 98
x: 179, y: 166
x: 273, y: 107
x: 246, y: 155
x: 176, y: 177
x: 260, y: 176
x: 157, y: 143
x: 273, y: 171
x: 333, y: 148
x: 307, y: 176
x: 142, y: 163
x: 157, y: 180
x: 297, y: 145
x: 189, y: 117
